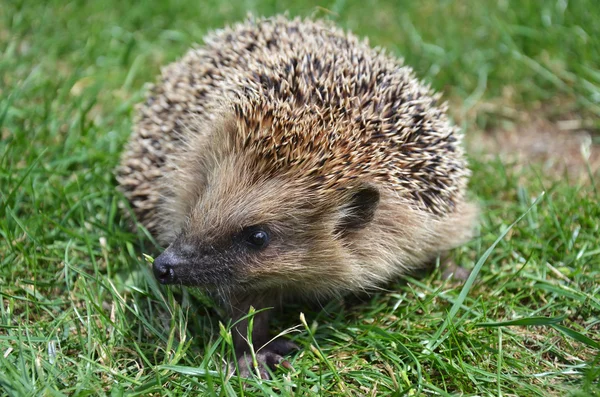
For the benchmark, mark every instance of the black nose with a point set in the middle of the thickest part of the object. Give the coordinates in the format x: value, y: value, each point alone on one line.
x: 164, y: 267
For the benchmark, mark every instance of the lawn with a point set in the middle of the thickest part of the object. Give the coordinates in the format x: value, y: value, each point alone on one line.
x: 80, y: 313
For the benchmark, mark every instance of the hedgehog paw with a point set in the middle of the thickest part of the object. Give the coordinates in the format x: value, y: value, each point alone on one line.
x: 451, y: 270
x: 267, y: 358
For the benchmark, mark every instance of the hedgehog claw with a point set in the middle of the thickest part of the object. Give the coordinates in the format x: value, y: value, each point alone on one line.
x: 268, y: 358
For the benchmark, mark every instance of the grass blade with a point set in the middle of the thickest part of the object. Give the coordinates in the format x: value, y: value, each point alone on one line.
x: 579, y: 337
x: 525, y: 322
x: 437, y: 339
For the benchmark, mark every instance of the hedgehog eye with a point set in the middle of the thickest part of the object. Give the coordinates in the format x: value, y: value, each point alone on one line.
x: 257, y: 238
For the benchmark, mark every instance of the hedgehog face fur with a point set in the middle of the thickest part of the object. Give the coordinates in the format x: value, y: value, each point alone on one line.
x: 302, y: 226
x: 288, y: 158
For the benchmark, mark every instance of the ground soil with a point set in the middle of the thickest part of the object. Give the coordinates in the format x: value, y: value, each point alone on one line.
x: 559, y: 148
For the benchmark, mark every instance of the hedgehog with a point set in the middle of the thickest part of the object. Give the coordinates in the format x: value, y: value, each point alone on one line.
x: 287, y: 159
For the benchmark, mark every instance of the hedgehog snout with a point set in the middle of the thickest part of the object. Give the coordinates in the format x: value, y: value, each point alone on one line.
x: 190, y: 263
x: 164, y: 267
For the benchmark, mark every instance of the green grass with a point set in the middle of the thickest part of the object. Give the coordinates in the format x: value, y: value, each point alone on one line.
x: 80, y: 313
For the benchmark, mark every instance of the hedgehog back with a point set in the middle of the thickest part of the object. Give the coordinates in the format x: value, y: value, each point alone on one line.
x: 307, y: 98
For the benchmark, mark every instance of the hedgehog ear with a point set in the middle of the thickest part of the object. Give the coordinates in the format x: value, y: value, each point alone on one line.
x: 360, y: 208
